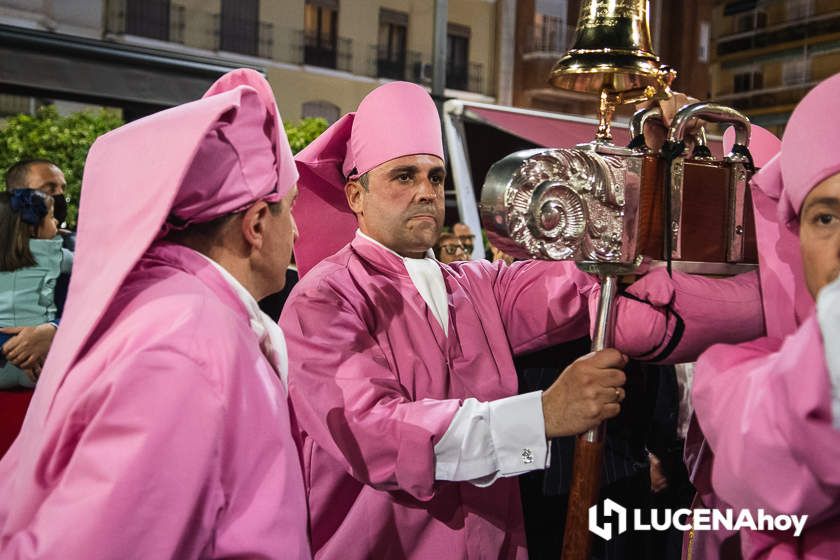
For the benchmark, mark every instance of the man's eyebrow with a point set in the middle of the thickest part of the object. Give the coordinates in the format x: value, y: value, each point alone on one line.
x: 438, y: 169
x: 410, y: 169
x: 830, y: 201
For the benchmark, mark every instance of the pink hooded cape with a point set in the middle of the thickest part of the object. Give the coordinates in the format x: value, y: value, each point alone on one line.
x: 764, y: 406
x: 351, y: 147
x: 155, y: 360
x: 126, y: 202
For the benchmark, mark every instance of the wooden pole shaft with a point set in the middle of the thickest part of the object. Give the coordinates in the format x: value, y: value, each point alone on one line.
x: 586, y: 485
x: 589, y: 447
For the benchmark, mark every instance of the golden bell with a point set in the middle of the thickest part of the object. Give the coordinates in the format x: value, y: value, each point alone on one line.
x: 612, y: 53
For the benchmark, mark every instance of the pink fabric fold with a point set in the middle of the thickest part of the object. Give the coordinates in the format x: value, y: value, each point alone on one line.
x: 134, y: 186
x: 394, y: 120
x: 764, y: 407
x: 701, y: 304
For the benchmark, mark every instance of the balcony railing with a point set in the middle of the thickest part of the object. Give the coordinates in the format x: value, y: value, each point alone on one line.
x: 767, y: 97
x: 468, y: 77
x: 782, y: 33
x: 458, y: 77
x: 203, y: 30
x: 382, y: 65
x: 318, y: 51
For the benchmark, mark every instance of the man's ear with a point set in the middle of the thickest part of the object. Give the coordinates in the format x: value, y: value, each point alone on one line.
x: 355, y: 193
x: 254, y: 226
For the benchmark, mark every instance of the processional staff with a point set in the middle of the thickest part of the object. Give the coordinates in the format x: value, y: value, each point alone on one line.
x: 606, y: 206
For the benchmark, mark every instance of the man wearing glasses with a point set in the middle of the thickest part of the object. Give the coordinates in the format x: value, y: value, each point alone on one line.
x: 466, y: 236
x: 449, y: 249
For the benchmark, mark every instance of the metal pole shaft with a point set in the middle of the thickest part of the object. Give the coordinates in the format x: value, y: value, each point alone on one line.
x: 603, y: 336
x: 439, y: 49
x: 589, y: 447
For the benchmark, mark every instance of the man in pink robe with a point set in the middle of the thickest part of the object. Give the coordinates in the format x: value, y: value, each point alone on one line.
x: 160, y: 426
x: 769, y: 408
x: 775, y: 244
x: 402, y: 379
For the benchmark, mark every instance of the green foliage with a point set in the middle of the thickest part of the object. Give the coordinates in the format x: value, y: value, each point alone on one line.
x: 303, y: 132
x: 67, y: 139
x: 64, y: 140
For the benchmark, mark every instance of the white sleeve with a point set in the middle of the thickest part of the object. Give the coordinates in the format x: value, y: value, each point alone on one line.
x: 488, y: 440
x: 828, y: 315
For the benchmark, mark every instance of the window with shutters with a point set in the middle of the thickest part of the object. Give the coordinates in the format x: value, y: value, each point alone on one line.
x: 457, y: 56
x: 239, y: 26
x: 391, y: 47
x: 147, y: 18
x: 320, y: 33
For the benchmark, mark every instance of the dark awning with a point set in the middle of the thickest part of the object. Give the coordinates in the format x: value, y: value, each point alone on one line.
x: 47, y: 64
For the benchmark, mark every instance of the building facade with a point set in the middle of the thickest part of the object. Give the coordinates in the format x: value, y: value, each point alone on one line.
x: 321, y: 56
x: 769, y: 53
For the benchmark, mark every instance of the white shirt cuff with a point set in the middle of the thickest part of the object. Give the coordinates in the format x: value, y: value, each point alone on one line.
x: 488, y: 440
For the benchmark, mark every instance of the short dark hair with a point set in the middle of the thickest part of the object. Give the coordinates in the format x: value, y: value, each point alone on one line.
x: 15, y: 235
x: 17, y: 175
x: 201, y: 236
x: 364, y: 180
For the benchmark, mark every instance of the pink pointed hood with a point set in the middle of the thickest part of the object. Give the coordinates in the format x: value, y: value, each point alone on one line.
x: 782, y: 281
x: 188, y: 164
x: 394, y: 120
x: 809, y: 146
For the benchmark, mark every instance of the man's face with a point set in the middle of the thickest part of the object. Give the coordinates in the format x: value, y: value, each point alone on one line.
x: 49, y: 179
x: 46, y: 178
x: 466, y: 236
x: 279, y: 241
x: 819, y: 234
x: 403, y: 205
x: 451, y: 250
